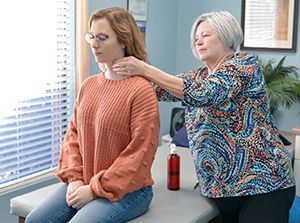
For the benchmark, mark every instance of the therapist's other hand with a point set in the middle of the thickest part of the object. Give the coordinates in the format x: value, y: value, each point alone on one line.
x: 80, y: 197
x: 128, y: 66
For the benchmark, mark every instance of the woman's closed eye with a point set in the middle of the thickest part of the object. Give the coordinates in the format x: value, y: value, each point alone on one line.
x: 205, y: 34
x: 101, y: 37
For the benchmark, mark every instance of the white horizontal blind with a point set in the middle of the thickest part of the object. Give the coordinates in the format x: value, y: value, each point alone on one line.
x: 260, y: 22
x: 33, y: 121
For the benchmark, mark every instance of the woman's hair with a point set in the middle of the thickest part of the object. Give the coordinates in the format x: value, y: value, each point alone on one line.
x: 126, y: 29
x: 224, y: 24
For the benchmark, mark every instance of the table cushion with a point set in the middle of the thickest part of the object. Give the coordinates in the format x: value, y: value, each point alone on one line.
x: 185, y: 205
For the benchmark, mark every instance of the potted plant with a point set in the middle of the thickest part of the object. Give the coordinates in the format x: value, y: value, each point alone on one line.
x: 282, y: 82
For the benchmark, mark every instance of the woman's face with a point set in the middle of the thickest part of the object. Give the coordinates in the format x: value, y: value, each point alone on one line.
x: 208, y: 45
x: 105, y: 45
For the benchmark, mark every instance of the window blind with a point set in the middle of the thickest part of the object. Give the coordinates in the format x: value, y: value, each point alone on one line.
x: 260, y: 21
x: 35, y: 119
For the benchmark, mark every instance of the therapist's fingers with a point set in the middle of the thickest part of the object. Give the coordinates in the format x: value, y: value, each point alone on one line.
x: 128, y: 66
x: 120, y: 68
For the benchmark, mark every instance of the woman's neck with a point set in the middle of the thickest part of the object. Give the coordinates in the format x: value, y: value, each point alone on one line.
x: 110, y: 74
x: 212, y: 68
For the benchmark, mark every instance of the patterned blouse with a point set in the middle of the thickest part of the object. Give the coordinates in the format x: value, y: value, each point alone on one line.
x: 233, y: 140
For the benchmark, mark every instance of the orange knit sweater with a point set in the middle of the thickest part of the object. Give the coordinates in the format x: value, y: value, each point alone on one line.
x: 112, y: 138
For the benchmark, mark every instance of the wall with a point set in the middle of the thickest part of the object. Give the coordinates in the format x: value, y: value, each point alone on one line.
x: 161, y: 45
x: 188, y: 11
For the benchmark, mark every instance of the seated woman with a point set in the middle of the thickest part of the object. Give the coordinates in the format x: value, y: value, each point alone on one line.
x: 111, y: 141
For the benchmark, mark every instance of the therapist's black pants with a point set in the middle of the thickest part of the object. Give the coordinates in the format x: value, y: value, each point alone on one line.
x: 264, y: 208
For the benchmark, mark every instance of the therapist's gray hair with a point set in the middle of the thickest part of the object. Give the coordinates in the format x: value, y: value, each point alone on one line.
x: 224, y: 24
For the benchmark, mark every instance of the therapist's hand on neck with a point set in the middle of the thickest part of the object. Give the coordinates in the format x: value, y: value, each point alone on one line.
x: 129, y: 66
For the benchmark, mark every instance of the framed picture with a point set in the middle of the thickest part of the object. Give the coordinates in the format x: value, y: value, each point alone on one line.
x: 138, y: 9
x: 270, y: 25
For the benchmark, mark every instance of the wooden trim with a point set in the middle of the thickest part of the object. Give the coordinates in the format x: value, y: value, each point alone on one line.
x: 82, y: 47
x: 296, y: 130
x: 21, y: 220
x: 33, y: 179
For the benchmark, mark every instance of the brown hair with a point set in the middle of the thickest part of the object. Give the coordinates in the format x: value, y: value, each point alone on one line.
x: 126, y: 29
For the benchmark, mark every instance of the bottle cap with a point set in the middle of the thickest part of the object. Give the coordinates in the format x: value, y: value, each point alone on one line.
x: 173, y: 148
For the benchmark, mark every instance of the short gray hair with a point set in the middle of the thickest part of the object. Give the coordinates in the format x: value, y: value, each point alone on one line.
x: 224, y: 24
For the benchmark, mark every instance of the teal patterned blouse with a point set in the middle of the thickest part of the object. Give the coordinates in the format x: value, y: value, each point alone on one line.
x: 233, y: 140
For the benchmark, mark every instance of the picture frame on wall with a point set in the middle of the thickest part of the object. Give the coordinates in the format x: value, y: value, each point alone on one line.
x: 138, y: 9
x: 269, y: 25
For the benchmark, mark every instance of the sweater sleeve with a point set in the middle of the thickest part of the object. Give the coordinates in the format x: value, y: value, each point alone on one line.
x: 70, y: 163
x: 131, y: 170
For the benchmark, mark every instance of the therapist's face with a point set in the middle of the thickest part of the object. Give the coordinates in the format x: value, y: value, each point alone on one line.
x: 208, y: 45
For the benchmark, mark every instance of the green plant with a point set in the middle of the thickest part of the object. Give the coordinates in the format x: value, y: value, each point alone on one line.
x: 282, y: 82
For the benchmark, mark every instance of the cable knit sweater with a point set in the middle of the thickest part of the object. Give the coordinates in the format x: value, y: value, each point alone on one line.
x: 112, y: 138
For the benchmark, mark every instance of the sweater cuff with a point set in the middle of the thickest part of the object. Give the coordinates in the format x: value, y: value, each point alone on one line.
x: 93, y: 192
